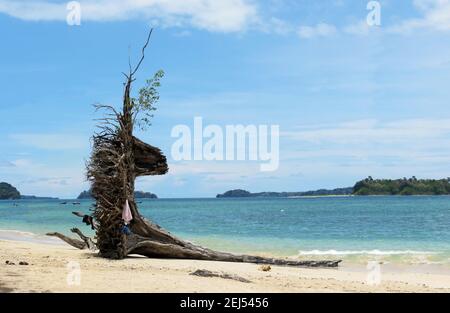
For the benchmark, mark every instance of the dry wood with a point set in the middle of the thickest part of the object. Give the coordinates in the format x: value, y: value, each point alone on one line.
x: 117, y: 159
x: 73, y: 242
x: 206, y: 273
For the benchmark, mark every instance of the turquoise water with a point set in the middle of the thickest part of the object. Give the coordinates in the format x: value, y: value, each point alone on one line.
x: 416, y: 229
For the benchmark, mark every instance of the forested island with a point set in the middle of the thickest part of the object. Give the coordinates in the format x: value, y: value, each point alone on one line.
x: 137, y: 194
x: 405, y: 187
x: 8, y: 192
x: 367, y: 187
x: 239, y: 193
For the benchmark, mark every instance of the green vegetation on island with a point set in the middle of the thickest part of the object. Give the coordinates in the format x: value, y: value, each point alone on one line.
x: 8, y: 192
x: 144, y: 195
x: 86, y: 194
x: 239, y: 193
x: 367, y: 187
x: 406, y: 187
x: 37, y: 198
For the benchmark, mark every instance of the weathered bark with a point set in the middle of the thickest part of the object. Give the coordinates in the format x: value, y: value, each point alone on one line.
x: 117, y: 159
x: 156, y: 249
x: 161, y: 244
x: 73, y: 242
x: 148, y: 160
x: 88, y: 241
x: 85, y: 243
x: 155, y: 242
x: 206, y: 273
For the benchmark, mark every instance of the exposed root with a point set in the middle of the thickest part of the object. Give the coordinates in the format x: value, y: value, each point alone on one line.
x: 117, y: 159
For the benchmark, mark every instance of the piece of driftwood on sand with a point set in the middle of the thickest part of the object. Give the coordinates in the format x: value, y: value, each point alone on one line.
x: 117, y: 159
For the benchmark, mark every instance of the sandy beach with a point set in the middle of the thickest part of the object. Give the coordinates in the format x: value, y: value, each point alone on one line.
x: 51, y: 266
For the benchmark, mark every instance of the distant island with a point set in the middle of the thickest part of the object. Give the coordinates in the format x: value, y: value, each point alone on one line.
x: 405, y: 187
x: 85, y: 195
x: 24, y: 197
x: 239, y: 193
x: 367, y: 187
x: 9, y: 192
x: 137, y: 194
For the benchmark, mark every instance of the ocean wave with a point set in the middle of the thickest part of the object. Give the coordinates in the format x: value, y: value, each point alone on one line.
x: 17, y: 235
x: 365, y: 252
x: 16, y: 232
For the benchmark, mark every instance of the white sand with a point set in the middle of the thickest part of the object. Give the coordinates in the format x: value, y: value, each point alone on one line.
x: 48, y: 272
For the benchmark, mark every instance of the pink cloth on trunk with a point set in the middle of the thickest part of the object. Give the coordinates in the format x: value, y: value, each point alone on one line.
x: 126, y: 213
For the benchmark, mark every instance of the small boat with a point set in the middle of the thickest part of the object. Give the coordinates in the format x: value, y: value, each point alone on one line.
x: 63, y: 203
x: 76, y: 203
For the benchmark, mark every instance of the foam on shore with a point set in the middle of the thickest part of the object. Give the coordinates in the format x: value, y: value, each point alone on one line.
x: 16, y: 235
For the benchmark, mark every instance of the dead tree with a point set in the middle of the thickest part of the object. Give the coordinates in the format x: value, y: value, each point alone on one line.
x: 117, y: 159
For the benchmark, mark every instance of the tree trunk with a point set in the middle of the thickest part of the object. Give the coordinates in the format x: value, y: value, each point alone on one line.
x: 117, y: 159
x: 151, y: 240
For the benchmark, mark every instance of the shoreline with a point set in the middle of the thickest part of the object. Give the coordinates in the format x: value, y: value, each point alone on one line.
x: 28, y: 237
x: 49, y: 266
x: 390, y: 257
x: 220, y: 198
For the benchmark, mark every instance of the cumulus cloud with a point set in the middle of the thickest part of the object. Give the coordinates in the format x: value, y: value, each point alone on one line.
x: 4, y: 163
x: 356, y: 148
x: 62, y: 181
x: 319, y: 30
x: 436, y: 17
x: 372, y: 131
x: 51, y: 141
x: 361, y: 28
x: 44, y: 179
x: 211, y: 15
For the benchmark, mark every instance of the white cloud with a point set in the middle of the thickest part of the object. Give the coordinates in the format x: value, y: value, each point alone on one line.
x: 212, y: 168
x: 359, y: 148
x: 21, y: 163
x: 319, y: 30
x: 436, y: 16
x: 211, y: 15
x: 372, y: 132
x: 44, y: 179
x: 52, y: 181
x: 277, y: 26
x: 6, y: 164
x: 360, y: 28
x: 51, y: 141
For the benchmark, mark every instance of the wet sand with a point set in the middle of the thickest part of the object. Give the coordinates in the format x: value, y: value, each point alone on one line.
x: 61, y: 268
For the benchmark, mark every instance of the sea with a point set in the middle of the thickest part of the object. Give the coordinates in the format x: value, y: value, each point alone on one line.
x: 407, y: 229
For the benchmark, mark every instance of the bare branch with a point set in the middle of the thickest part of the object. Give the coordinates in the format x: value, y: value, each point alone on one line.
x: 143, y: 53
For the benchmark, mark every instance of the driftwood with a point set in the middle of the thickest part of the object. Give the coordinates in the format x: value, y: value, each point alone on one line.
x: 85, y: 243
x: 148, y: 160
x: 73, y: 242
x: 206, y: 273
x: 117, y: 159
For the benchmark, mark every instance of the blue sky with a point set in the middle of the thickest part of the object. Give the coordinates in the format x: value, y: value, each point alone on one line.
x: 351, y: 100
